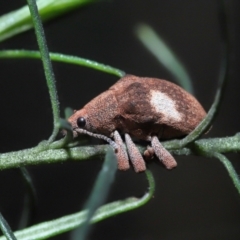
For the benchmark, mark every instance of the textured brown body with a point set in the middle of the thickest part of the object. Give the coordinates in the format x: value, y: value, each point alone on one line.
x: 142, y: 107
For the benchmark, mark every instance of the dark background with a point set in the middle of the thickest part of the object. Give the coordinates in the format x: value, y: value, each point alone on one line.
x: 197, y: 200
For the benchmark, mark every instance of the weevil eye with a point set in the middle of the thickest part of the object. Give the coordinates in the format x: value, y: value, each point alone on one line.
x: 81, y: 122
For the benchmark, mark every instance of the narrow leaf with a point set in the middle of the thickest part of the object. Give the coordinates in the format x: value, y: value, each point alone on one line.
x: 47, y: 65
x: 155, y: 44
x: 52, y: 228
x: 6, y: 230
x: 19, y: 21
x: 229, y: 167
x: 58, y: 57
x: 222, y: 82
x: 99, y: 193
x: 30, y: 202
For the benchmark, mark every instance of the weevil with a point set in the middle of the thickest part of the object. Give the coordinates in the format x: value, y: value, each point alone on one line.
x: 143, y: 108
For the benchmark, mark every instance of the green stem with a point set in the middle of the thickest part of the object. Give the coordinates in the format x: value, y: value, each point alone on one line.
x: 223, y: 78
x: 99, y: 193
x: 63, y: 58
x: 155, y: 44
x: 231, y: 171
x: 19, y: 20
x: 67, y: 223
x: 43, y: 155
x: 46, y: 65
x: 30, y: 201
x: 6, y: 230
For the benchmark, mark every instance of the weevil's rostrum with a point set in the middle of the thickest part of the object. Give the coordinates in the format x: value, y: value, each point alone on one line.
x: 144, y: 108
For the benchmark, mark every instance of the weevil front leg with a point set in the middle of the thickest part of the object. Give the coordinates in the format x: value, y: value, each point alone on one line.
x: 162, y: 154
x: 121, y: 154
x: 134, y: 155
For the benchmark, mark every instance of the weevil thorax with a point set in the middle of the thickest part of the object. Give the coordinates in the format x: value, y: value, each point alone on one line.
x: 97, y: 116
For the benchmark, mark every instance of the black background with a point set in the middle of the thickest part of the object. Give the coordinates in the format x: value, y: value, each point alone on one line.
x: 197, y: 200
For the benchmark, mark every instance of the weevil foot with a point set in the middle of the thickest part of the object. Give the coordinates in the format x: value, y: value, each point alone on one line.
x: 134, y: 155
x: 163, y: 155
x: 121, y: 154
x: 149, y: 153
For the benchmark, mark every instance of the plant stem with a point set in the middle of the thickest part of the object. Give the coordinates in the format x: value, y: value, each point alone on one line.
x: 69, y: 222
x: 155, y: 44
x: 47, y: 65
x: 42, y: 155
x: 99, y: 193
x: 63, y: 58
x: 222, y: 82
x: 18, y: 21
x: 30, y: 201
x: 231, y: 171
x: 6, y: 230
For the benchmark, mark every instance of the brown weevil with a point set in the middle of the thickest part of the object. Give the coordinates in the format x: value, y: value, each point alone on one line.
x: 144, y: 108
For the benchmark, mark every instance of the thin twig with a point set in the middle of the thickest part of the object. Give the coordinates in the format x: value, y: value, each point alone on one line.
x: 223, y: 78
x: 59, y: 57
x: 69, y: 222
x: 231, y: 171
x: 47, y: 65
x: 6, y: 230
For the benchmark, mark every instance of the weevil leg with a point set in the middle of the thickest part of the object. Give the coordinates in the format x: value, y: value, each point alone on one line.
x: 163, y: 155
x: 122, y: 157
x: 134, y: 155
x: 148, y: 153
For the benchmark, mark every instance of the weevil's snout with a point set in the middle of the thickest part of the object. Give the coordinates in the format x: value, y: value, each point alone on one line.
x: 78, y: 120
x: 81, y: 125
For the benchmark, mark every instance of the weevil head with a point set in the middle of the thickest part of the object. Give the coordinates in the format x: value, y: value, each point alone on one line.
x: 97, y: 116
x: 80, y: 120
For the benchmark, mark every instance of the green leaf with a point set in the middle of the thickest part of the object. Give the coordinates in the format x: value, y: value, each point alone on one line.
x: 30, y: 201
x: 47, y: 66
x: 58, y: 57
x: 64, y: 124
x: 67, y: 223
x: 99, y: 193
x: 229, y: 167
x: 206, y: 123
x: 155, y: 44
x: 68, y: 112
x: 19, y: 21
x: 6, y: 230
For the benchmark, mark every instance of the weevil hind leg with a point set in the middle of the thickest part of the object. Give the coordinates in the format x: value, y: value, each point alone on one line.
x: 163, y: 155
x: 121, y: 154
x: 134, y: 155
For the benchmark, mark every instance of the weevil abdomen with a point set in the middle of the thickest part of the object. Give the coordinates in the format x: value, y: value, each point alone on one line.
x: 149, y: 105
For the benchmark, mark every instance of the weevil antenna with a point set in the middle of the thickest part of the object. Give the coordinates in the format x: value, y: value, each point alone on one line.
x: 100, y: 136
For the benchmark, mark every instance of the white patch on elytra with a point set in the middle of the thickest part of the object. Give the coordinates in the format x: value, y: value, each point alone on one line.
x: 163, y: 104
